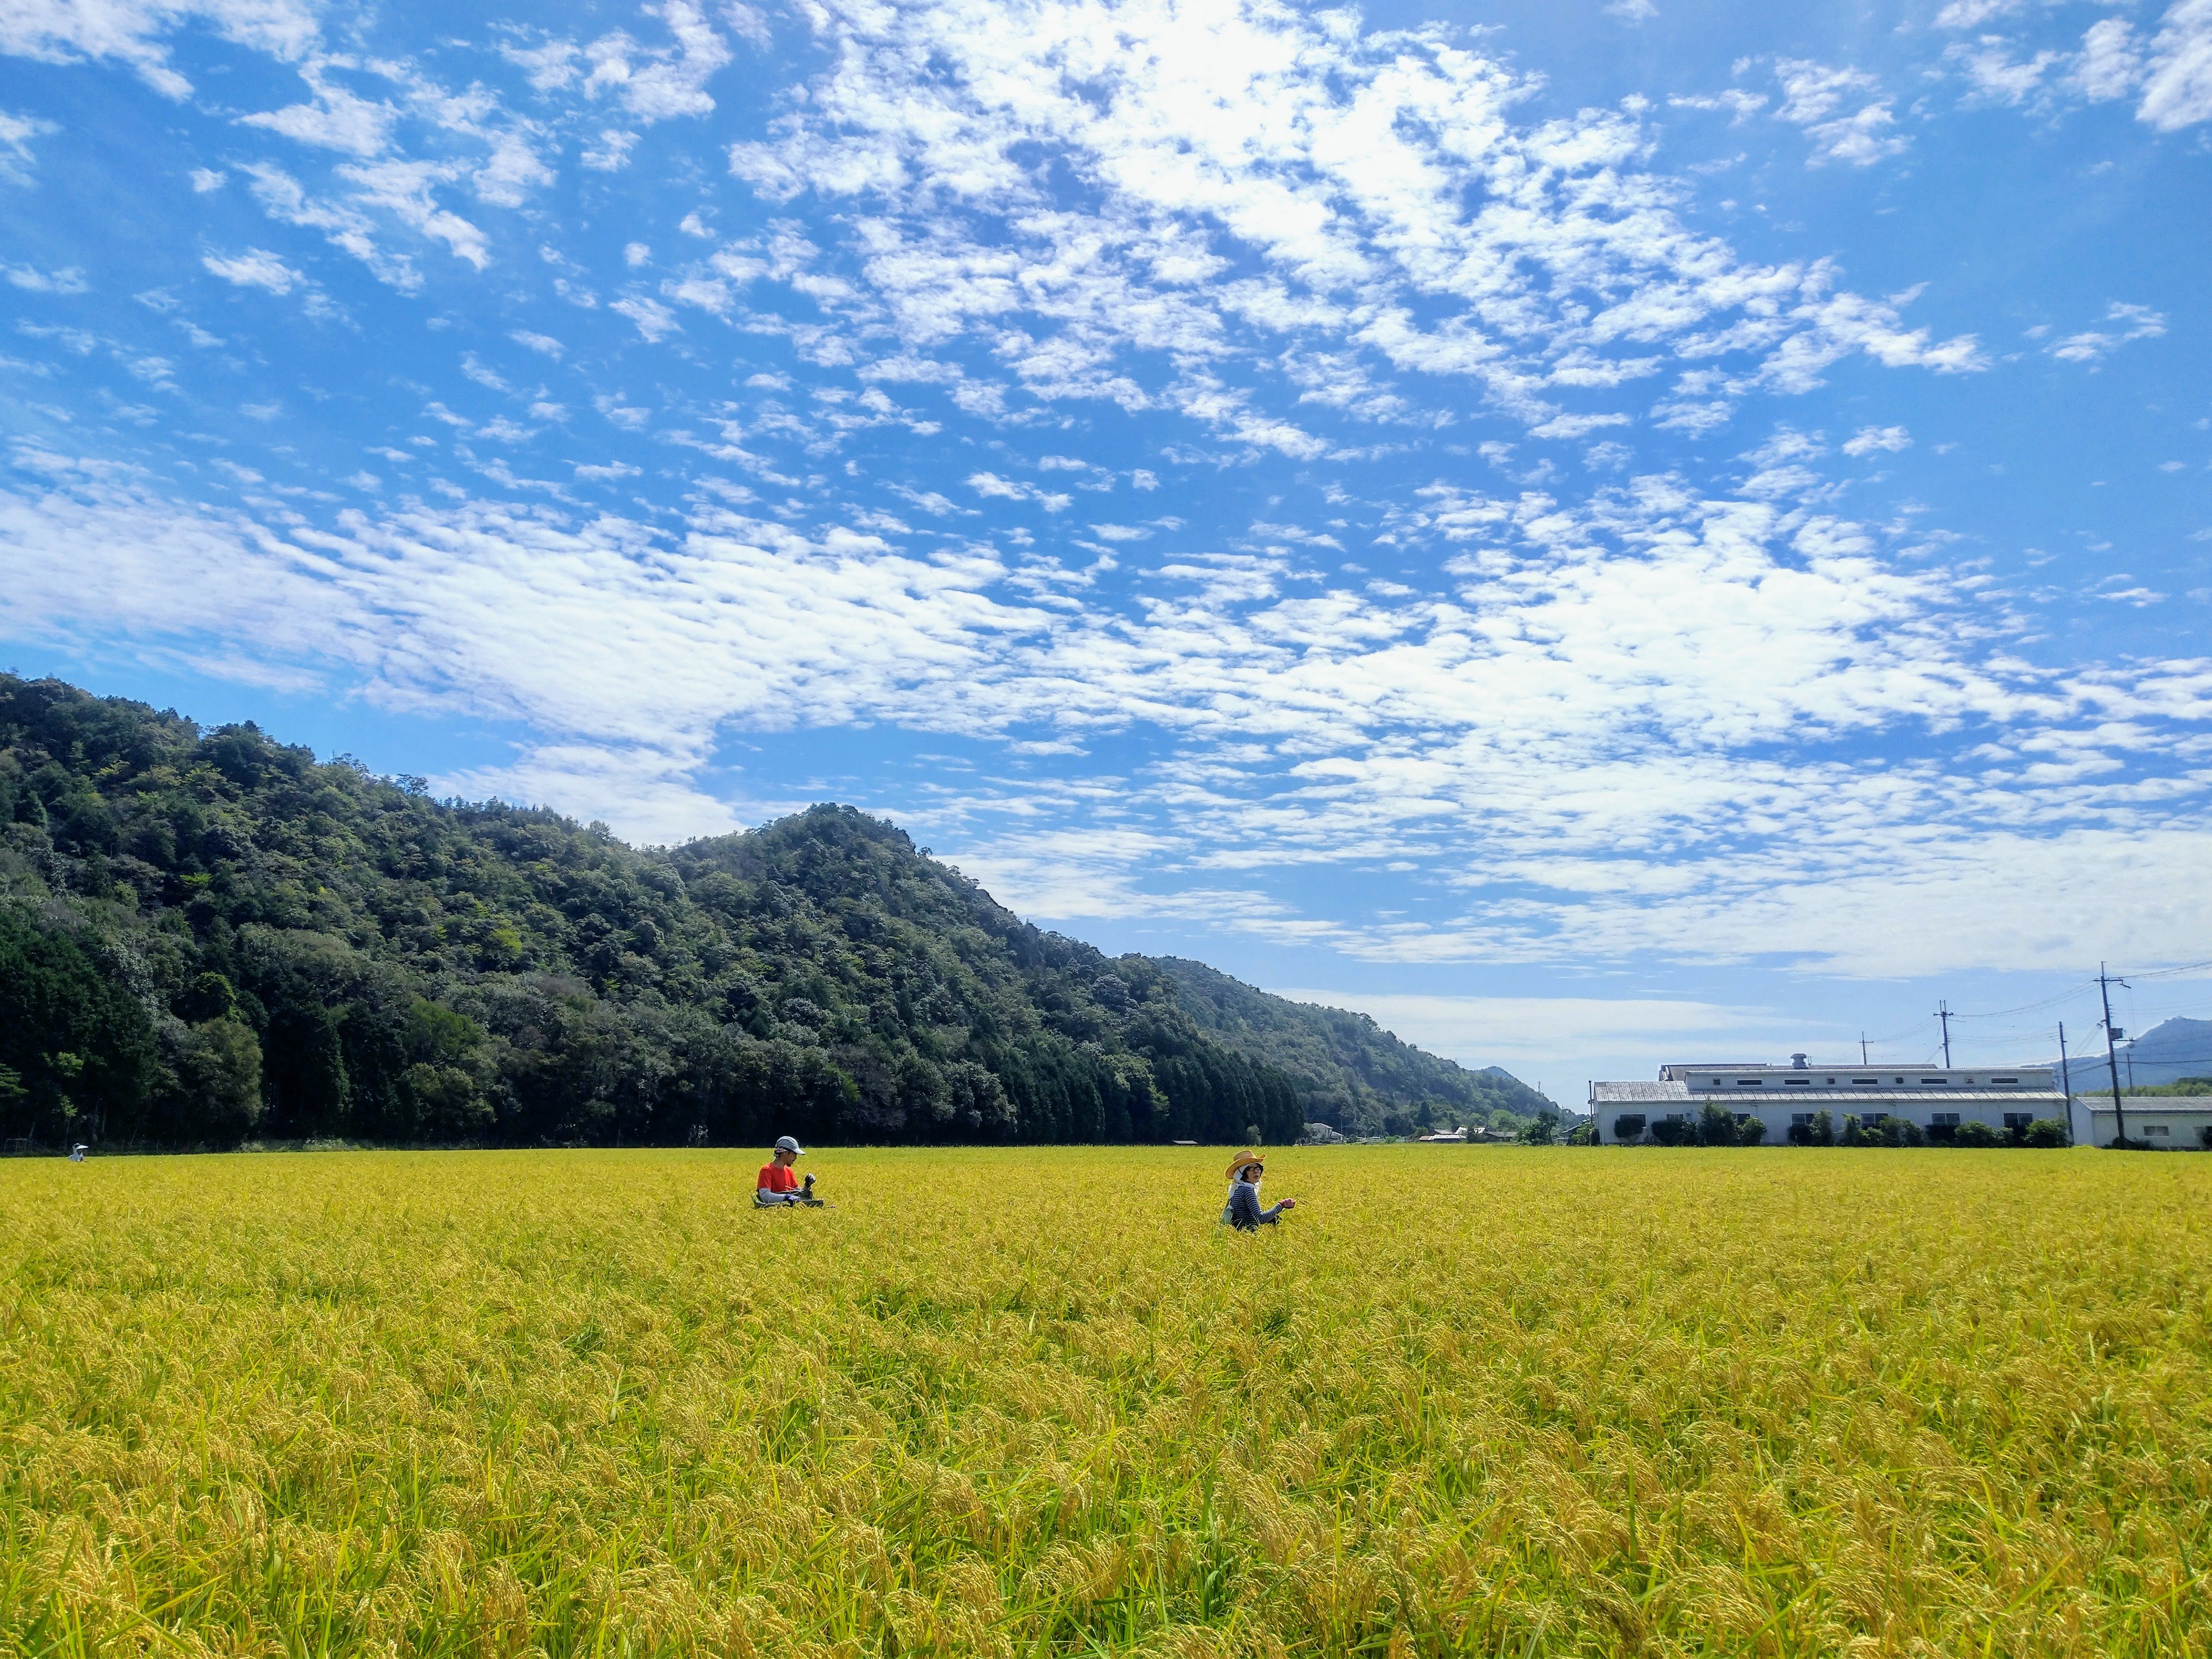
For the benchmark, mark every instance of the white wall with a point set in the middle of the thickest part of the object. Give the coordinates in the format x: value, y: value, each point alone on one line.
x: 2181, y: 1124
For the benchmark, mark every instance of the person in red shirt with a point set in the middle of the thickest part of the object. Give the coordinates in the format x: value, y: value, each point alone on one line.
x: 779, y: 1184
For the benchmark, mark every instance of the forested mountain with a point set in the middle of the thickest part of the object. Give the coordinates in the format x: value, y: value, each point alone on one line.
x: 206, y: 936
x: 1350, y: 1072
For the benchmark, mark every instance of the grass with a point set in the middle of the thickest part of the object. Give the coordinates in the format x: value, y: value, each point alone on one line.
x: 1466, y: 1401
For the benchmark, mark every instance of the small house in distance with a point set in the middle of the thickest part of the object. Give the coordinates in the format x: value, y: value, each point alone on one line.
x: 2004, y: 1098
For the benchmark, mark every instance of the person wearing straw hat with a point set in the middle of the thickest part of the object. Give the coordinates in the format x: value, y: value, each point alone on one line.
x: 1243, y: 1211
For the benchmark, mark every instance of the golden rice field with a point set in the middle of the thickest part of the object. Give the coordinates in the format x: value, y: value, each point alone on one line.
x: 1465, y: 1400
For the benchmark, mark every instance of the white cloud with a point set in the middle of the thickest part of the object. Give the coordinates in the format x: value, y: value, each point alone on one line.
x: 2108, y: 66
x: 544, y: 343
x: 284, y: 199
x: 16, y: 132
x: 1515, y: 255
x: 69, y: 280
x: 129, y: 31
x: 337, y: 119
x: 612, y: 153
x: 403, y: 189
x: 255, y: 268
x: 654, y: 321
x: 2123, y: 322
x: 1870, y: 439
x: 206, y: 179
x: 657, y: 84
x: 2177, y: 86
x: 1739, y: 104
x: 1814, y: 97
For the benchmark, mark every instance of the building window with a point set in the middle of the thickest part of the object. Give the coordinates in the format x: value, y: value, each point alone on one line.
x: 1799, y: 1120
x: 2004, y: 1080
x: 1866, y: 1082
x: 1798, y: 1082
x: 2019, y: 1120
x: 2157, y: 1129
x: 1934, y: 1082
x: 1751, y: 1083
x: 1944, y: 1121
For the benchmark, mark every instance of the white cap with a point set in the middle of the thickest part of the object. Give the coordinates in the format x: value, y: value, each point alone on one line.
x: 786, y: 1144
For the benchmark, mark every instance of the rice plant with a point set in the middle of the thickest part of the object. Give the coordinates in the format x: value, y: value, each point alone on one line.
x: 1512, y: 1401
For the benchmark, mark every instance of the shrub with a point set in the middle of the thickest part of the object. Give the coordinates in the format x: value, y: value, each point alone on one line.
x: 2046, y: 1132
x: 1751, y: 1132
x: 1673, y: 1132
x: 1716, y: 1126
x: 1902, y: 1131
x: 1818, y: 1130
x: 1975, y: 1134
x: 1628, y: 1127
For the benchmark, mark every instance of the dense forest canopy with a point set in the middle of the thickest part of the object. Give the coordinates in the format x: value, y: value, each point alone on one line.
x: 210, y: 936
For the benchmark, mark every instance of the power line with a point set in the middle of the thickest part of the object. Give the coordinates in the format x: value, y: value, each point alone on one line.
x: 2170, y: 973
x: 2066, y: 995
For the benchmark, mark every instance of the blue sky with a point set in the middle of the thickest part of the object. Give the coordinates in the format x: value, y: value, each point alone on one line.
x: 1600, y: 533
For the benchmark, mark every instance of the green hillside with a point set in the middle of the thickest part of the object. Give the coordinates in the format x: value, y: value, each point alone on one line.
x: 209, y: 935
x: 1351, y: 1074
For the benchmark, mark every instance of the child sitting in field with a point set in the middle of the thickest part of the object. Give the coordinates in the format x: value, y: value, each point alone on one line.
x: 779, y: 1186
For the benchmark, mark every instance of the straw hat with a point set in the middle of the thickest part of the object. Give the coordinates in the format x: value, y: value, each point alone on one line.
x: 1240, y: 1160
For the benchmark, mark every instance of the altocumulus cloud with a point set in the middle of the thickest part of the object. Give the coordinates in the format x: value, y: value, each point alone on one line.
x: 1584, y: 691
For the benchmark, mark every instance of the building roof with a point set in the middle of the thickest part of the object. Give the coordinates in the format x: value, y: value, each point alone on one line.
x: 1635, y: 1094
x: 1630, y: 1094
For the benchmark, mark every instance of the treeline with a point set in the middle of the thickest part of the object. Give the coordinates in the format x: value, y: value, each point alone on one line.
x: 207, y: 937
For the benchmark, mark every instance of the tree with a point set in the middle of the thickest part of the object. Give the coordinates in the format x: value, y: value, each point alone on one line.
x: 221, y: 1071
x: 78, y: 1045
x: 1818, y: 1129
x: 1717, y: 1126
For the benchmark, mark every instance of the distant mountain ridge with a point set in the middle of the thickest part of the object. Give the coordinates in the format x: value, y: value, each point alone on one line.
x: 1355, y: 1076
x: 2169, y: 1051
x: 209, y: 935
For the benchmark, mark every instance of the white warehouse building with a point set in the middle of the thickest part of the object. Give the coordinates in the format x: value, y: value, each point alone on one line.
x: 2004, y: 1098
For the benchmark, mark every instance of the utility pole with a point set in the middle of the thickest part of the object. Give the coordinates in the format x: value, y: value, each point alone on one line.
x: 2066, y: 1080
x: 1862, y: 1059
x: 1943, y: 1013
x: 2113, y: 1035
